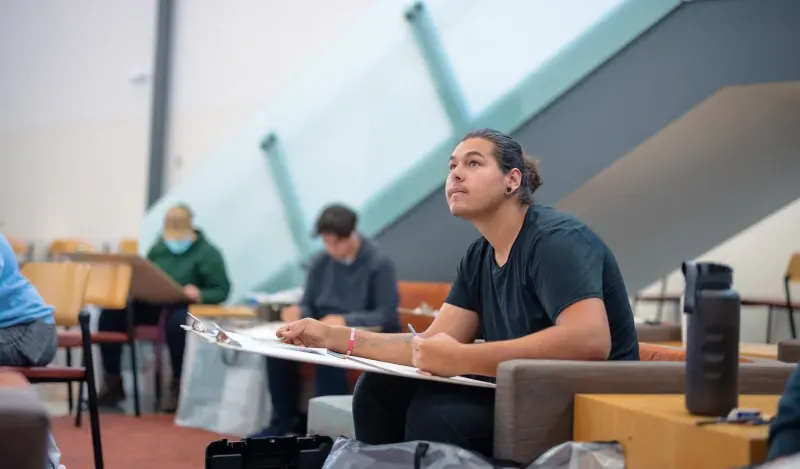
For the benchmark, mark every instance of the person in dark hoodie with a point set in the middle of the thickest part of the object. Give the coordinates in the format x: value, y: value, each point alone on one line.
x: 350, y: 283
x: 183, y: 253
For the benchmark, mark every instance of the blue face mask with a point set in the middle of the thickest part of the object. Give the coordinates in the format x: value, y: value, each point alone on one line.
x: 178, y: 246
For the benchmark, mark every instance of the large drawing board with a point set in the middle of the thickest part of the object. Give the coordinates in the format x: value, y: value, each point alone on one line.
x: 149, y: 283
x: 271, y: 347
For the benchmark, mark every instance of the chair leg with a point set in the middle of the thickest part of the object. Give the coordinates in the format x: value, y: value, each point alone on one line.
x: 79, y: 411
x: 68, y: 352
x: 790, y: 309
x: 159, y: 353
x: 769, y: 324
x: 660, y: 311
x: 134, y: 366
x: 157, y: 384
x: 94, y: 414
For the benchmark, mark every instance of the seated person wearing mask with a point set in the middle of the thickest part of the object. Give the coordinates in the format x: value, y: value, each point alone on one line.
x: 538, y: 284
x: 350, y: 284
x: 183, y: 253
x: 27, y: 324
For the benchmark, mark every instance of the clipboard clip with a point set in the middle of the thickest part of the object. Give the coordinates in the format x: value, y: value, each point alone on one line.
x: 223, y: 338
x: 216, y: 333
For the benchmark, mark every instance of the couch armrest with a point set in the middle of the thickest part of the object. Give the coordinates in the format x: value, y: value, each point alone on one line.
x: 534, y: 398
x: 25, y: 428
x: 789, y: 351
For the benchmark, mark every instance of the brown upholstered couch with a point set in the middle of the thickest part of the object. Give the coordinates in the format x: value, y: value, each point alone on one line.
x: 24, y: 424
x: 534, y: 398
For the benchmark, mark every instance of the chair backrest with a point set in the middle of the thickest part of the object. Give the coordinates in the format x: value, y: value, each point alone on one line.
x: 61, y: 285
x: 109, y: 285
x: 413, y: 294
x: 793, y: 269
x: 129, y: 246
x: 61, y: 246
x: 19, y: 246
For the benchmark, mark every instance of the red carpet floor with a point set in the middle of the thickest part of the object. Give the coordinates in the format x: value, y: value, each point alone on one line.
x: 152, y: 441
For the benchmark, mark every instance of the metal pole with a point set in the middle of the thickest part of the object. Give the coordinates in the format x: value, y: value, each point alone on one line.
x: 442, y: 74
x: 160, y: 104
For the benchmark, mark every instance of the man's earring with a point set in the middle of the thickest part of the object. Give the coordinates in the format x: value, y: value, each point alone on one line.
x: 508, y: 190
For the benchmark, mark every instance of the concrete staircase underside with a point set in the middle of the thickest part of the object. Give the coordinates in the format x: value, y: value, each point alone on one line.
x: 683, y: 139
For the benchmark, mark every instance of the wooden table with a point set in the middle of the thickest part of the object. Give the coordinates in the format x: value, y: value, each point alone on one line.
x: 749, y: 349
x: 218, y: 311
x: 656, y: 432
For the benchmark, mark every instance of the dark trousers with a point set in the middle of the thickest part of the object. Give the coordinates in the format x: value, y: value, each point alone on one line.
x: 390, y: 409
x: 112, y: 320
x: 284, y: 388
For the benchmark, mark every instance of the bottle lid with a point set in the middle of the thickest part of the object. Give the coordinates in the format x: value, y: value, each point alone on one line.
x: 704, y: 276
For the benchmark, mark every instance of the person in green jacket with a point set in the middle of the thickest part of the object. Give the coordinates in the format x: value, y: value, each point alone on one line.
x: 185, y: 254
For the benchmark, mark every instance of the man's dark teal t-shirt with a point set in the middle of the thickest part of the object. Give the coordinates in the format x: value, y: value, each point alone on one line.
x: 555, y: 262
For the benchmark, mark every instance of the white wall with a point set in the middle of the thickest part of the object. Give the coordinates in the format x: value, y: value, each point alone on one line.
x: 231, y: 57
x: 758, y: 256
x: 73, y: 125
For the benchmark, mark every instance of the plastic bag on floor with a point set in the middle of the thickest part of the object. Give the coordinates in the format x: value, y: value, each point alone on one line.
x: 581, y: 455
x: 53, y: 453
x: 352, y: 454
x: 223, y: 391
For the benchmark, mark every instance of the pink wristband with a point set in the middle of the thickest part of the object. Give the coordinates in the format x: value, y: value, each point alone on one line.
x: 352, y: 342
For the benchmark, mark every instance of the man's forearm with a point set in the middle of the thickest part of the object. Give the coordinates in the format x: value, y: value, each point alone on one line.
x: 392, y: 348
x: 553, y: 343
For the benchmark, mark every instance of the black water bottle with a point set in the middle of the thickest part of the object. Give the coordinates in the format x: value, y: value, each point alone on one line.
x: 713, y: 311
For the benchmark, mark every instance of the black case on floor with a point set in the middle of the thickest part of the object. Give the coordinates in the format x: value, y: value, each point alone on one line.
x: 286, y: 452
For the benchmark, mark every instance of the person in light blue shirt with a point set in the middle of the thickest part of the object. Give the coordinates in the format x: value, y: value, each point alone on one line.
x: 27, y: 324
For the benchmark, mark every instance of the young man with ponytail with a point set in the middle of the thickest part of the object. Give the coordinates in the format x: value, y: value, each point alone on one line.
x: 539, y: 284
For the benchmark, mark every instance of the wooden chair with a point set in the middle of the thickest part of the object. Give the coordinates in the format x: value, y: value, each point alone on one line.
x: 414, y: 294
x: 61, y: 246
x: 63, y: 285
x: 792, y: 276
x: 108, y: 288
x: 21, y: 248
x: 129, y: 246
